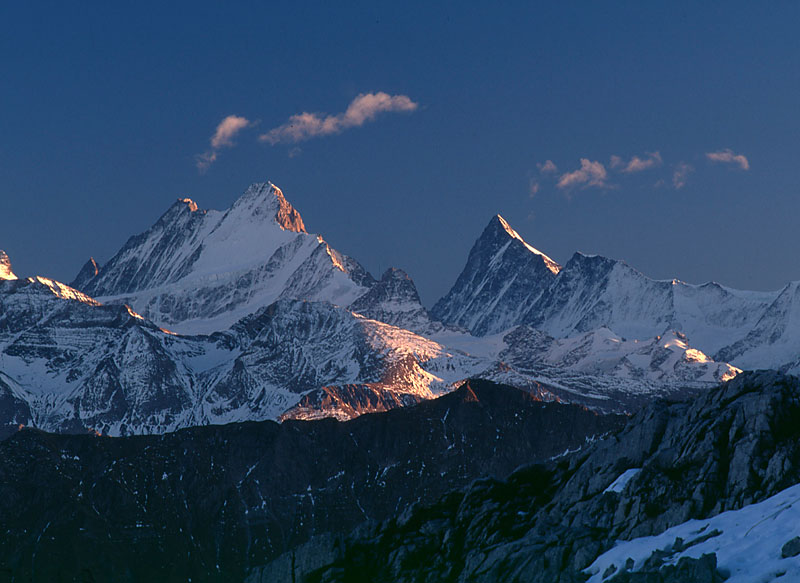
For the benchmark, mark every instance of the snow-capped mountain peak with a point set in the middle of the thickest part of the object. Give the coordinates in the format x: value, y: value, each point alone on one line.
x: 211, y: 267
x: 503, y: 277
x: 549, y: 263
x: 5, y: 266
x: 265, y: 200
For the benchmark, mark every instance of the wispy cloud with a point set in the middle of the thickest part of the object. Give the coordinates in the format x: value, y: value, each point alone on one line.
x: 727, y: 156
x: 637, y: 164
x: 548, y: 167
x: 533, y: 187
x: 680, y: 173
x: 589, y: 174
x: 365, y: 107
x: 222, y: 138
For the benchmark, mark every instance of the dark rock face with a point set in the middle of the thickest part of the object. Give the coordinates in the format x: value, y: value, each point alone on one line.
x: 734, y: 446
x: 88, y: 272
x: 791, y: 548
x: 14, y: 409
x: 208, y: 503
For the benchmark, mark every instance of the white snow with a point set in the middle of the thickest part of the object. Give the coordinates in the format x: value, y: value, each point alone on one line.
x: 619, y: 484
x: 747, y: 542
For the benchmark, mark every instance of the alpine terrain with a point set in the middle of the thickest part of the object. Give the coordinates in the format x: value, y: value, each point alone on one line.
x: 235, y: 400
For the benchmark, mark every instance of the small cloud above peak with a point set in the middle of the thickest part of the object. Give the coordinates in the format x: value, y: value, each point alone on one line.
x: 222, y: 138
x: 727, y: 156
x: 548, y: 167
x: 680, y: 174
x: 590, y: 174
x: 227, y: 129
x: 533, y: 188
x: 365, y: 107
x: 637, y: 164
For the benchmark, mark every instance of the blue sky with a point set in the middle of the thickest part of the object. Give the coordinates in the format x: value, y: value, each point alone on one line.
x: 106, y: 106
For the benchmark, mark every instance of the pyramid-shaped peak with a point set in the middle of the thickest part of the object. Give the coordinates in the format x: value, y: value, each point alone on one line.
x: 5, y: 266
x: 88, y: 272
x: 499, y: 227
x: 266, y: 198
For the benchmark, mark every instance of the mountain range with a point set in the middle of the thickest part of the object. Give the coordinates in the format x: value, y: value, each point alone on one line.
x: 218, y: 316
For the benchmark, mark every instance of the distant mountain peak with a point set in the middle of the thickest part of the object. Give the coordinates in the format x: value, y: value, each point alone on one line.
x: 499, y: 224
x: 264, y: 197
x: 88, y: 272
x: 503, y: 277
x: 211, y: 267
x: 5, y: 266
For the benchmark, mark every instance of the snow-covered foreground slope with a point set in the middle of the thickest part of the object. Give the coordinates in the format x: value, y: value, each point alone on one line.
x: 198, y: 271
x: 747, y: 542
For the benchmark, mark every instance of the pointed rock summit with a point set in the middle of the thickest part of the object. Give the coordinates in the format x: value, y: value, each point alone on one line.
x: 88, y: 272
x: 503, y: 278
x: 5, y: 266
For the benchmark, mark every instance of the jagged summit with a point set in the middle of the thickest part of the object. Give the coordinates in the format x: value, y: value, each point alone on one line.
x: 502, y: 279
x: 214, y: 267
x: 5, y: 266
x: 394, y: 300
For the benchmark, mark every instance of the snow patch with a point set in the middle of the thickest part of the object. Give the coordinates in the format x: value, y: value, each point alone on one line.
x: 747, y: 542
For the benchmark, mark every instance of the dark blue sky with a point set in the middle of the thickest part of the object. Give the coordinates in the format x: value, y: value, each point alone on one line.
x: 105, y: 108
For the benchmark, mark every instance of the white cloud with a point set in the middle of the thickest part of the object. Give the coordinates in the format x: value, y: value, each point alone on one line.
x: 680, y: 174
x: 365, y: 107
x: 222, y: 138
x: 533, y: 188
x: 227, y: 129
x: 637, y: 164
x: 728, y: 157
x: 589, y: 174
x: 548, y: 167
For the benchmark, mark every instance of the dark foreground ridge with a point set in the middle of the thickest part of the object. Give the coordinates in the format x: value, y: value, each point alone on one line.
x: 210, y: 503
x: 734, y: 446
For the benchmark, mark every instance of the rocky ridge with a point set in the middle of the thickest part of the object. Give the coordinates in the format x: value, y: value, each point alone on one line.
x: 735, y: 446
x: 207, y: 503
